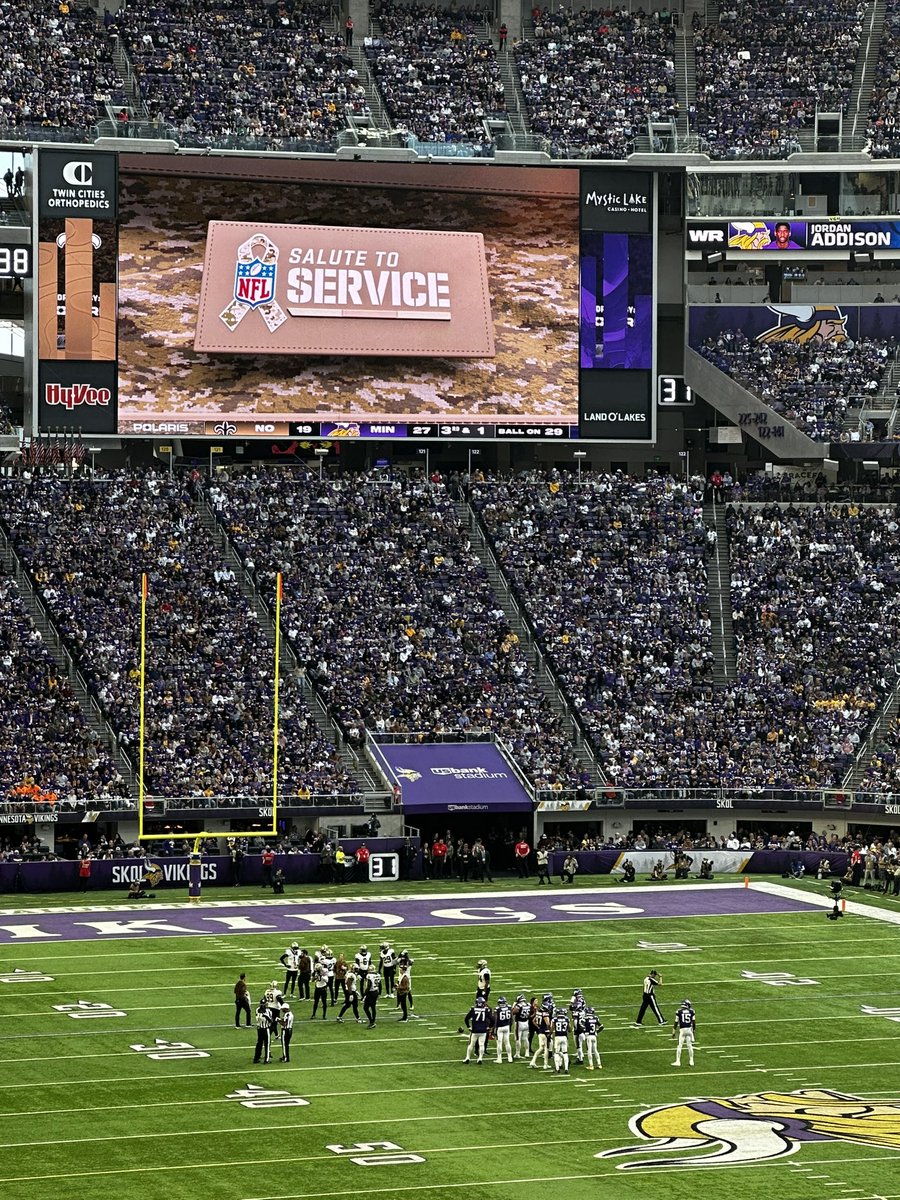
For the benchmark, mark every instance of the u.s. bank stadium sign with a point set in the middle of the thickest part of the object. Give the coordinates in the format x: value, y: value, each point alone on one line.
x: 321, y: 289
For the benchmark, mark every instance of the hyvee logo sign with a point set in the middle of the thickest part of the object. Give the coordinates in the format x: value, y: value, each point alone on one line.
x: 78, y: 184
x: 318, y: 289
x: 77, y: 395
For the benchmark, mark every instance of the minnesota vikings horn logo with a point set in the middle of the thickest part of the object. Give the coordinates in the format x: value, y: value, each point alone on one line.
x: 802, y: 323
x: 749, y: 235
x: 408, y: 774
x: 756, y: 1128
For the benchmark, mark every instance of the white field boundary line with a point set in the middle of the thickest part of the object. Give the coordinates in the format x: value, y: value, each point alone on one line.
x: 647, y: 1048
x: 465, y: 969
x: 393, y: 1190
x: 460, y: 932
x: 278, y: 1069
x: 851, y: 906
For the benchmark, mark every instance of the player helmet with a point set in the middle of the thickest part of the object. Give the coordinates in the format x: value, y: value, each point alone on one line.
x: 295, y: 945
x: 685, y: 1004
x: 364, y: 949
x: 502, y: 1000
x: 589, y: 1011
x: 285, y: 1006
x: 385, y: 945
x: 274, y: 983
x: 482, y: 962
x: 520, y: 999
x: 577, y: 992
x: 479, y: 1003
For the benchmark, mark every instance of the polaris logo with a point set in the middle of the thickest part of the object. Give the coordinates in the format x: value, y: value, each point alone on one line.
x: 160, y: 427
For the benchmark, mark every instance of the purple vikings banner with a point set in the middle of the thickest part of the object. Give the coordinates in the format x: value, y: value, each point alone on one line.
x: 454, y: 777
x: 798, y: 323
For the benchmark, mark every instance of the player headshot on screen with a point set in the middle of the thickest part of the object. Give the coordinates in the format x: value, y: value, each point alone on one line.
x: 782, y: 238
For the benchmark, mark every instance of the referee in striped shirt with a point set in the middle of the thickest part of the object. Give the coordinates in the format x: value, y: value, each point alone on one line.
x: 287, y: 1032
x: 648, y: 1000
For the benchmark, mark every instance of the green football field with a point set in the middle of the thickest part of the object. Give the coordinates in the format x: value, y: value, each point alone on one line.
x: 795, y: 1092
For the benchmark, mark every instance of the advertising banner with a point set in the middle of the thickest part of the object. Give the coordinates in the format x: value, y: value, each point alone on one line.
x: 616, y: 201
x: 77, y: 396
x: 321, y: 289
x: 616, y: 306
x: 454, y: 777
x: 783, y: 234
x: 801, y: 324
x: 78, y: 183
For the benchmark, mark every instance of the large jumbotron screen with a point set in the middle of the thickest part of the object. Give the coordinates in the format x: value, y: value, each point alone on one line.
x: 294, y: 295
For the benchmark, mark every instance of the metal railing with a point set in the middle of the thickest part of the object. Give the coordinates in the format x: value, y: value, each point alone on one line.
x: 612, y: 797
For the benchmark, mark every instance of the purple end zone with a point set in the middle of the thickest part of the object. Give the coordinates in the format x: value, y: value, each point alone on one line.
x: 221, y: 917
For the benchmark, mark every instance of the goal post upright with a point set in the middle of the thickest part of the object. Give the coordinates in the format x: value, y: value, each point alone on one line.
x: 277, y: 693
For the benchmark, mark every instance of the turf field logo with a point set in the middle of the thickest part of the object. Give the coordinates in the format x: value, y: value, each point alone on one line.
x: 756, y: 1128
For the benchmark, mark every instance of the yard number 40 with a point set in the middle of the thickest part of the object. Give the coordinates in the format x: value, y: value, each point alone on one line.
x: 376, y: 1154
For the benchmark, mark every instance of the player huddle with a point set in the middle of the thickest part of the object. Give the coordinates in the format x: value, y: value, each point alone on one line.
x: 554, y: 1025
x: 328, y: 979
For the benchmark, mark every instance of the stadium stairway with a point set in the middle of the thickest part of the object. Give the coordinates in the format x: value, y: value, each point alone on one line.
x: 516, y: 110
x: 57, y: 648
x: 328, y: 727
x: 718, y: 568
x: 378, y: 123
x: 518, y: 623
x: 864, y: 73
x: 890, y: 710
x: 685, y: 81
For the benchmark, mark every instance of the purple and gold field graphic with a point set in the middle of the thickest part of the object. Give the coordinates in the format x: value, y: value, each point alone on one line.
x: 530, y: 249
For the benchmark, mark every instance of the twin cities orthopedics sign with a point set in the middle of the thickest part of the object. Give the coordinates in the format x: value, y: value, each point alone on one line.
x: 77, y: 290
x: 616, y: 299
x: 321, y: 289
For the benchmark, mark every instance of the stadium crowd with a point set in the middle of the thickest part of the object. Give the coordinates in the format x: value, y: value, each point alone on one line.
x: 243, y: 69
x: 764, y: 68
x: 391, y: 611
x: 49, y: 754
x: 56, y: 67
x: 612, y: 573
x: 592, y: 79
x: 881, y: 132
x: 437, y: 71
x: 810, y: 383
x: 209, y: 669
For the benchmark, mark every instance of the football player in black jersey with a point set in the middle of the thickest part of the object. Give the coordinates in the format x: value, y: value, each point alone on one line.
x: 560, y: 1025
x: 685, y: 1027
x: 503, y: 1018
x: 590, y: 1027
x: 478, y: 1023
x: 540, y: 1025
x: 521, y: 1011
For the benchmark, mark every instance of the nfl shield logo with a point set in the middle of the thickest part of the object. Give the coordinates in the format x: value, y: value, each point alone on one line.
x: 254, y: 283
